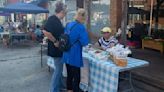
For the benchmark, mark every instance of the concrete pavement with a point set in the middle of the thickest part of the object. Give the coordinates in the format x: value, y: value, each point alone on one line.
x: 20, y: 70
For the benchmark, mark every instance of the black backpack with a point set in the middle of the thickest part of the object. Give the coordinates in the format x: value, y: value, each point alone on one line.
x: 64, y: 43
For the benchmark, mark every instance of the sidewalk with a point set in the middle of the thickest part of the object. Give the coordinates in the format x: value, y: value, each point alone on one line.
x: 20, y: 69
x: 153, y: 74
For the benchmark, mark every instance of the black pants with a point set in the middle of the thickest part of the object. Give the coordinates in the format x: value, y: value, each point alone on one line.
x: 73, y: 78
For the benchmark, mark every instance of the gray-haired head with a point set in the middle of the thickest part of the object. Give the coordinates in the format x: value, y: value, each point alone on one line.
x: 60, y: 7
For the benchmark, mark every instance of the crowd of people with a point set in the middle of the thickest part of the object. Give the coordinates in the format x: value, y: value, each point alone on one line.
x: 78, y: 38
x: 34, y: 31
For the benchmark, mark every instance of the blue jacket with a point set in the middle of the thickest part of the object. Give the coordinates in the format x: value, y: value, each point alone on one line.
x: 74, y: 55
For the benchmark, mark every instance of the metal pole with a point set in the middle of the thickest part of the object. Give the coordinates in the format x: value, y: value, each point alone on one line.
x: 35, y: 19
x: 151, y: 15
x: 41, y: 57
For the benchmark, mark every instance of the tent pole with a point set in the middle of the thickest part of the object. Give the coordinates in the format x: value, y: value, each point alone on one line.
x: 35, y: 19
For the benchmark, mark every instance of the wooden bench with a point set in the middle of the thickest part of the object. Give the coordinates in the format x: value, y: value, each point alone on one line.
x: 153, y: 44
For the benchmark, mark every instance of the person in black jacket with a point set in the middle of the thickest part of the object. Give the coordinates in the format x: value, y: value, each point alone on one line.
x: 53, y: 29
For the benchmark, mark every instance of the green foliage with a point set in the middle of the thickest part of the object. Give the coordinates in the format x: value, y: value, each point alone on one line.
x: 159, y: 34
x: 147, y: 38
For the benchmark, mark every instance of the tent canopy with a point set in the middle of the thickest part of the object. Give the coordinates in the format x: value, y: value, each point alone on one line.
x: 23, y: 8
x: 4, y: 14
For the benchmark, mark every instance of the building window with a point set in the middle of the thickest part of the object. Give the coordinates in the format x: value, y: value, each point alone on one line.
x: 99, y: 15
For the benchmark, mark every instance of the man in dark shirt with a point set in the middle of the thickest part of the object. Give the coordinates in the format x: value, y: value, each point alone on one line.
x: 53, y: 29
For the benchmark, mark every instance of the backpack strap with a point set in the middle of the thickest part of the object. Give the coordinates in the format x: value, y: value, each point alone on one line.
x: 71, y: 30
x: 71, y: 27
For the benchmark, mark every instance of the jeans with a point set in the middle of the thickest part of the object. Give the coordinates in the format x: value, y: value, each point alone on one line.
x: 57, y: 80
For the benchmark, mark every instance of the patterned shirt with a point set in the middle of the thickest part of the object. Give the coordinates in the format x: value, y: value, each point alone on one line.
x: 107, y: 43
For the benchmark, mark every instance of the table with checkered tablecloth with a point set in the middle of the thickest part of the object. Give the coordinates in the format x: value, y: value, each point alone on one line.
x: 2, y: 34
x: 103, y: 75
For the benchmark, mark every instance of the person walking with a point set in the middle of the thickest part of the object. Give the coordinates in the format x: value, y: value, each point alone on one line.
x: 53, y: 29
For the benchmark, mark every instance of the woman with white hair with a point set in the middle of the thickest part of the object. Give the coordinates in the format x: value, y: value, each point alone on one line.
x: 73, y: 58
